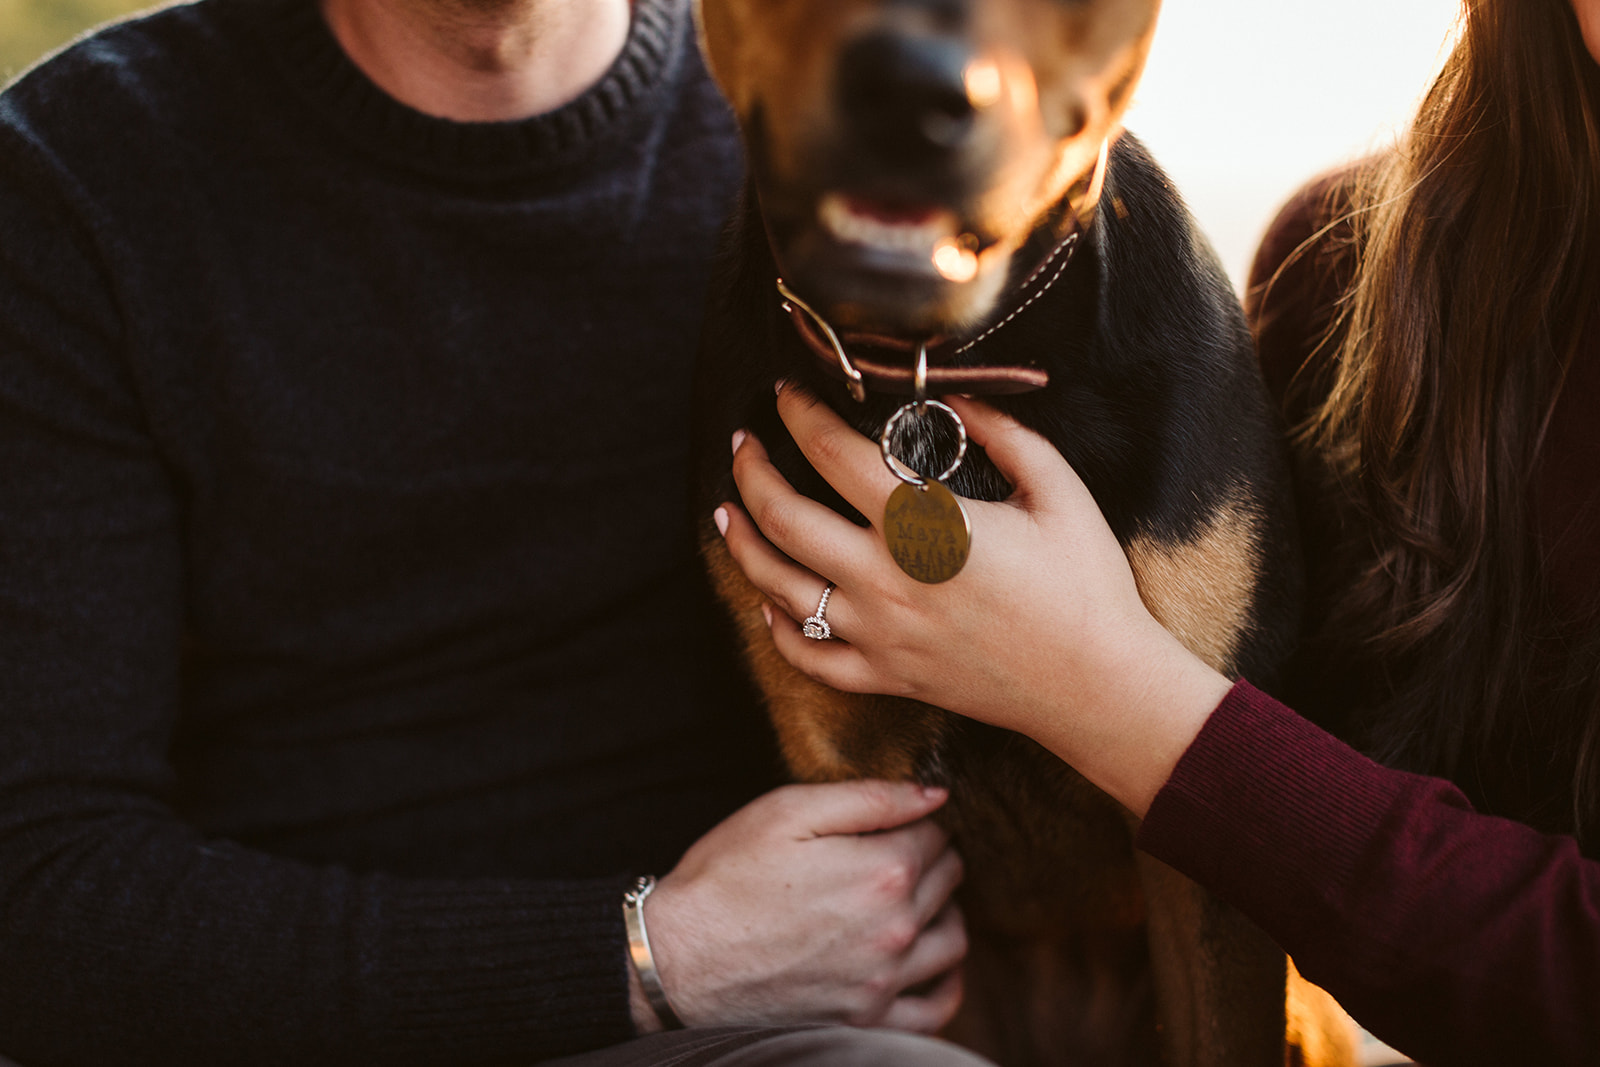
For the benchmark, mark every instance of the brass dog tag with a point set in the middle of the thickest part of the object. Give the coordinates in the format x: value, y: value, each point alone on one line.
x: 924, y: 523
x: 928, y: 532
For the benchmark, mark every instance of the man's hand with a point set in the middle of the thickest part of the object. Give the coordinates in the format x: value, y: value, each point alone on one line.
x: 814, y: 903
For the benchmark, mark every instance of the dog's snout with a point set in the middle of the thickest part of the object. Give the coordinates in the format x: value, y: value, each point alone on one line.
x: 908, y: 91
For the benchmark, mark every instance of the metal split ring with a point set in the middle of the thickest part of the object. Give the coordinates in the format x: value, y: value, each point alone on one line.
x: 901, y: 470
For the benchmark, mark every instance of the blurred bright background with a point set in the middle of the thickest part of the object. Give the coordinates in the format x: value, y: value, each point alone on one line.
x: 1243, y: 100
x: 30, y: 28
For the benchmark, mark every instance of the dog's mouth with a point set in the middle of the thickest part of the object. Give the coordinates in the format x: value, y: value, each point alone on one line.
x: 910, y: 238
x: 899, y: 266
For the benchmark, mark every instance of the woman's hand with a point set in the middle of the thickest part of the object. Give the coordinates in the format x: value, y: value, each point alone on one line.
x: 1043, y: 631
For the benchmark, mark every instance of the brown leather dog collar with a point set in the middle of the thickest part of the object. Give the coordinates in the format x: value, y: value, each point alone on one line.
x: 862, y: 372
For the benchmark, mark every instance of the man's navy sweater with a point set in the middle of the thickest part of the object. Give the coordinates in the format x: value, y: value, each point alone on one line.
x: 352, y: 647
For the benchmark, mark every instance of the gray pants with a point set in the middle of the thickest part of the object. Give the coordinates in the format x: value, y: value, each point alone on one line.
x: 832, y: 1046
x: 829, y: 1046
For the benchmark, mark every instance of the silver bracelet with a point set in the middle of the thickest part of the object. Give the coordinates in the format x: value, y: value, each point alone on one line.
x: 639, y: 949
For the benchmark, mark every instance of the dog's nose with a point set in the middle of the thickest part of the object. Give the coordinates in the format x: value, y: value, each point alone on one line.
x: 906, y: 92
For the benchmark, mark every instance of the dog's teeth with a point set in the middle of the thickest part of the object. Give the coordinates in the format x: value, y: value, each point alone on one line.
x: 853, y: 227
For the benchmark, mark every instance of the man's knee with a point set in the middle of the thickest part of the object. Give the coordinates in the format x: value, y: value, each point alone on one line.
x: 809, y: 1046
x: 840, y: 1046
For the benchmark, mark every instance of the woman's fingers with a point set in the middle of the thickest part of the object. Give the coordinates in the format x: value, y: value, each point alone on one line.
x: 795, y: 590
x: 1028, y: 461
x: 893, y: 636
x: 847, y: 460
x: 809, y: 533
x: 834, y: 663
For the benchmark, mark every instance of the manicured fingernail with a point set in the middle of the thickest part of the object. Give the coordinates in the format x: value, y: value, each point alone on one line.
x: 935, y: 792
x: 738, y: 439
x: 779, y: 385
x: 720, y: 517
x: 766, y: 613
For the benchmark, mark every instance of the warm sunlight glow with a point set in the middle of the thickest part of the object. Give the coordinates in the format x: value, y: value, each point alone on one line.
x: 954, y: 261
x: 982, y: 78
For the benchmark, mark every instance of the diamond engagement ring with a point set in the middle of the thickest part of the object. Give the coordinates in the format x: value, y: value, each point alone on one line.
x: 817, y: 627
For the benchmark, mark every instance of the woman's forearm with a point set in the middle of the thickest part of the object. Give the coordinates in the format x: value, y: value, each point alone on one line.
x: 1457, y: 937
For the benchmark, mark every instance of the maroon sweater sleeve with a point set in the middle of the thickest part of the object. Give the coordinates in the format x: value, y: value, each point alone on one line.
x: 1459, y: 938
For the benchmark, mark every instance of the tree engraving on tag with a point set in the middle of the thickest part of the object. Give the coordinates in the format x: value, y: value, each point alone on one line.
x: 927, y: 531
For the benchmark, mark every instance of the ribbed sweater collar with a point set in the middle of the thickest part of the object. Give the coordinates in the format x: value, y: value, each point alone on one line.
x: 309, y: 57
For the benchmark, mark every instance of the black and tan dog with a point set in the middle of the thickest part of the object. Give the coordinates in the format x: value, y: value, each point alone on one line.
x: 937, y: 172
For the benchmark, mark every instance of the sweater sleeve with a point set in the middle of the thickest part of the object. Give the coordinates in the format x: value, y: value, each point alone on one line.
x: 1459, y: 938
x: 125, y: 935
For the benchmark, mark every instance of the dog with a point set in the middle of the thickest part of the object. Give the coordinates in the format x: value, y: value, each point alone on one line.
x: 946, y: 183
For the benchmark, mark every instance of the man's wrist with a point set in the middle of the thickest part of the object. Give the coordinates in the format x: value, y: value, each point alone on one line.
x: 641, y: 959
x: 645, y: 1020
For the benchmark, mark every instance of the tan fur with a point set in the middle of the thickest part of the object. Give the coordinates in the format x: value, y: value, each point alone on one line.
x: 804, y: 712
x: 815, y: 723
x: 1202, y: 589
x: 1068, y: 71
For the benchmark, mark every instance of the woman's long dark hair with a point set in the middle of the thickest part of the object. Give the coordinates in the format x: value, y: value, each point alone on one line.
x: 1477, y: 260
